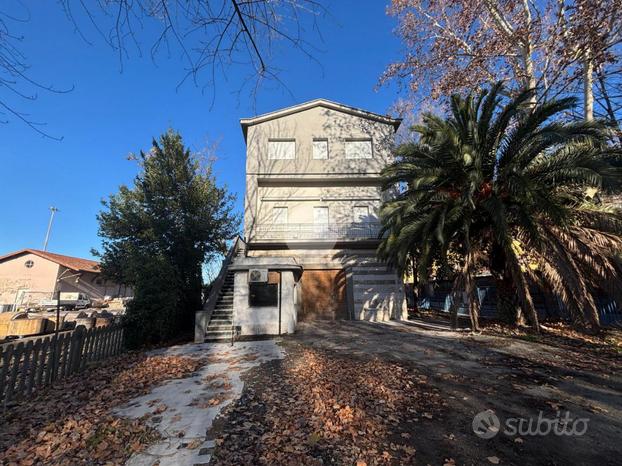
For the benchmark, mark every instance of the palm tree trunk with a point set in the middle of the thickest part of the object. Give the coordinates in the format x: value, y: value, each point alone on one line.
x: 470, y: 285
x: 524, y: 295
x: 508, y: 308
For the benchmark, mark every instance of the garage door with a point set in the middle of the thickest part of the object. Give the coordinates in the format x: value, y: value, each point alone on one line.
x: 323, y: 295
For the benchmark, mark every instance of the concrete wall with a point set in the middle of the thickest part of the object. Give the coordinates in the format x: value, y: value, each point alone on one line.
x: 264, y: 320
x: 39, y: 280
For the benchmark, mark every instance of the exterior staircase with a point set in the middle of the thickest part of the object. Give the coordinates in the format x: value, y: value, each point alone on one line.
x: 220, y: 326
x: 215, y: 322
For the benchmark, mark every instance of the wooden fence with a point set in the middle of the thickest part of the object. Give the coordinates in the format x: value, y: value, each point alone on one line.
x: 25, y: 366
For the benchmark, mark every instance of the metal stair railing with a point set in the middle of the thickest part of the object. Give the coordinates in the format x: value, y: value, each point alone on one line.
x: 203, y: 316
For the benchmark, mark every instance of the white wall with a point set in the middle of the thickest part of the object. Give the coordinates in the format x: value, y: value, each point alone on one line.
x: 264, y: 320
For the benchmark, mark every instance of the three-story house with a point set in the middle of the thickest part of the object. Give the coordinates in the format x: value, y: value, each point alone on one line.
x: 313, y: 194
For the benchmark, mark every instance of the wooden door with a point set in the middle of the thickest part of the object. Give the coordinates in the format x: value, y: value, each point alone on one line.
x: 323, y: 295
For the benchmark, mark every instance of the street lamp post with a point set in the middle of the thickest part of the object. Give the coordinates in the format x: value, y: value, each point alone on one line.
x: 53, y: 210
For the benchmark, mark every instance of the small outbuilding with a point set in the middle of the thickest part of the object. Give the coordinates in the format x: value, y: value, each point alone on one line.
x: 28, y: 276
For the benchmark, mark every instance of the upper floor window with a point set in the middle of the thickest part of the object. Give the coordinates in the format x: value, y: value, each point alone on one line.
x: 361, y: 214
x: 282, y: 149
x: 358, y: 149
x: 320, y: 149
x: 279, y: 215
x: 320, y: 215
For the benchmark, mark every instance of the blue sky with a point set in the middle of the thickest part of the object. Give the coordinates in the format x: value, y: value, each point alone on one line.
x: 110, y: 113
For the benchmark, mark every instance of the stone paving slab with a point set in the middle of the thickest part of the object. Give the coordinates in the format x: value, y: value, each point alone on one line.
x: 183, y: 410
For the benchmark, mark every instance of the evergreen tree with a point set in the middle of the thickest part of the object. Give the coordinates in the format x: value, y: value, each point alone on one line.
x: 158, y: 233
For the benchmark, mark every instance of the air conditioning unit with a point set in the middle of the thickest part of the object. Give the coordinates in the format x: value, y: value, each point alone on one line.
x: 258, y: 275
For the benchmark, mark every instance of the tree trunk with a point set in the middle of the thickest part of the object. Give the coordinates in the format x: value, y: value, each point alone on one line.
x: 527, y: 54
x: 588, y: 92
x: 472, y: 298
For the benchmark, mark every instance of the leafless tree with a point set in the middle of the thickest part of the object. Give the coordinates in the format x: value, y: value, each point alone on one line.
x: 211, y: 35
x: 560, y: 47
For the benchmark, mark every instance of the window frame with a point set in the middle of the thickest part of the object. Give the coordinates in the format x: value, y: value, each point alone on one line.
x: 367, y: 217
x: 322, y: 140
x: 280, y: 140
x: 326, y: 209
x: 281, y: 209
x: 353, y: 140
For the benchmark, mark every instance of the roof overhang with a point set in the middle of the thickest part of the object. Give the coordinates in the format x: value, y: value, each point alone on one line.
x: 246, y: 122
x: 74, y: 263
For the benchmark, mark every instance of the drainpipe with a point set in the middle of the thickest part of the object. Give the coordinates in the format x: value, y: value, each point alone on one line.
x: 280, y: 287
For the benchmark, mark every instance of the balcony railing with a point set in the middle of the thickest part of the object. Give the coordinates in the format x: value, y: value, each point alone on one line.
x: 316, y: 231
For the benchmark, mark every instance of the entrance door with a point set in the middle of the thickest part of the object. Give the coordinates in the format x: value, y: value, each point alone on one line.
x: 323, y: 295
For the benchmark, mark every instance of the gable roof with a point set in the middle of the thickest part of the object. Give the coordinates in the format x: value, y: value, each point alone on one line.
x: 73, y: 263
x: 246, y: 122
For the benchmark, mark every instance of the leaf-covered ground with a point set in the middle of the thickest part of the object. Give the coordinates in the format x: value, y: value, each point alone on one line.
x: 320, y: 408
x: 71, y: 423
x: 355, y: 393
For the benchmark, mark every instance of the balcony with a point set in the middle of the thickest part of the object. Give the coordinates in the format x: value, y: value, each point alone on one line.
x: 316, y: 232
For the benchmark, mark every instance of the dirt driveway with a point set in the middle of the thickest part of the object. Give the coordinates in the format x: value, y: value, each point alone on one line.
x: 364, y: 393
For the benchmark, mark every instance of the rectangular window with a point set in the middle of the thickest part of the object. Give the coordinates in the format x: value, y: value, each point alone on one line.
x: 279, y: 215
x: 263, y: 294
x: 320, y: 215
x: 282, y: 149
x: 358, y: 149
x: 320, y: 149
x: 361, y: 214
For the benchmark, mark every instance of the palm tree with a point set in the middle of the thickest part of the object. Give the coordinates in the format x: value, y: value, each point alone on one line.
x: 504, y: 183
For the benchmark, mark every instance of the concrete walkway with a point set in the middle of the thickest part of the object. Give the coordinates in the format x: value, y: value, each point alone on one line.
x: 183, y: 410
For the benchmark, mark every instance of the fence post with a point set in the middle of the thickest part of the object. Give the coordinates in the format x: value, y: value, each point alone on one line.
x: 6, y: 357
x: 26, y: 368
x: 35, y: 367
x: 41, y: 371
x: 77, y: 345
x: 17, y: 356
x: 51, y: 361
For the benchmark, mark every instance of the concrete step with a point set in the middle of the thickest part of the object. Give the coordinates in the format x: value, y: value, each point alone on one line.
x: 219, y: 328
x: 220, y: 322
x: 222, y: 315
x: 218, y: 335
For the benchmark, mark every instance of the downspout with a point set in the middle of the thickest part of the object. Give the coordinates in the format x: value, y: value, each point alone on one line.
x: 280, y: 287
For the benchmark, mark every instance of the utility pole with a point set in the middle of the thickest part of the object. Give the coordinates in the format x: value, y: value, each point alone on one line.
x: 53, y: 210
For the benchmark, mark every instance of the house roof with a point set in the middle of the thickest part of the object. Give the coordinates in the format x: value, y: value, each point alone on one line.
x: 73, y: 263
x: 246, y: 122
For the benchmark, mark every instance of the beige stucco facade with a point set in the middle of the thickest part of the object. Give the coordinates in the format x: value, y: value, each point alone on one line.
x: 311, y: 205
x: 321, y: 207
x: 304, y: 183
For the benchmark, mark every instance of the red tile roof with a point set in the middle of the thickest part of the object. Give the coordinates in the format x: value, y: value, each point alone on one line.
x: 73, y: 263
